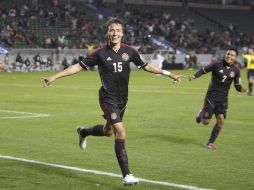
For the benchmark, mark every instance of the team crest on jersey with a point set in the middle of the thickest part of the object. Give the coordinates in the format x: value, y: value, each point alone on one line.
x: 125, y: 57
x: 113, y: 116
x: 232, y: 74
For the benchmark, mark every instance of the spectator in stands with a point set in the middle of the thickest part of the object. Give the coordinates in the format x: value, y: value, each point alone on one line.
x: 12, y: 12
x: 37, y: 62
x: 60, y: 38
x: 65, y: 63
x: 19, y: 62
x: 144, y: 24
x: 74, y: 61
x: 27, y: 63
x: 191, y: 60
x: 194, y: 60
x: 159, y: 59
x: 169, y: 57
x: 49, y: 64
x: 48, y: 43
x: 187, y: 60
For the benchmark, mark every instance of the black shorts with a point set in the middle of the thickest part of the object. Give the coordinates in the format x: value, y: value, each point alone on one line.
x: 250, y: 73
x: 113, y: 112
x: 211, y: 107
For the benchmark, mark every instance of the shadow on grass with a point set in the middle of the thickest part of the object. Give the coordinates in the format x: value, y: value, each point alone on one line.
x: 175, y: 139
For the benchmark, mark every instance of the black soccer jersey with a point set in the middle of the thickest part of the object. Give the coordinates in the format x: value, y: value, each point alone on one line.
x: 114, y: 70
x: 223, y: 75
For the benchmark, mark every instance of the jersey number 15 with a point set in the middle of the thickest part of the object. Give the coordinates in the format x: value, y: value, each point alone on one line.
x: 118, y: 67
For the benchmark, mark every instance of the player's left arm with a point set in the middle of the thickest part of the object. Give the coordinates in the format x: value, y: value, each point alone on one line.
x: 141, y: 63
x: 237, y: 83
x: 156, y: 70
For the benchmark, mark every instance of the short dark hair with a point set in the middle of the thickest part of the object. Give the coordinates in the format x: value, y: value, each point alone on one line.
x: 114, y: 21
x: 233, y: 49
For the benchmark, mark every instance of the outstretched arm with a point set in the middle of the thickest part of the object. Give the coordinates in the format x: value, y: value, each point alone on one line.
x: 156, y: 70
x: 73, y: 69
x: 202, y: 71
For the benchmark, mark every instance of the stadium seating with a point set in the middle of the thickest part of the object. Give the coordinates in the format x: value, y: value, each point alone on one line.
x: 198, y: 24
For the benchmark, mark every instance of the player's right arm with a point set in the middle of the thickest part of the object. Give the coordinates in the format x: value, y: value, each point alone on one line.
x: 202, y: 71
x: 156, y: 70
x: 73, y: 69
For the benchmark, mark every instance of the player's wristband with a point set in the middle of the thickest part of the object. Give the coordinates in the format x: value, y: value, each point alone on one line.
x: 166, y: 73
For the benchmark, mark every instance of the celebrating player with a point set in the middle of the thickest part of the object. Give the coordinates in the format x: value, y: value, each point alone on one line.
x: 216, y: 100
x: 113, y: 61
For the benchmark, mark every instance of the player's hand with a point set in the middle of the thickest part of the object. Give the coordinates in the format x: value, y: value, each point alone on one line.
x: 47, y: 81
x: 177, y: 78
x: 191, y: 77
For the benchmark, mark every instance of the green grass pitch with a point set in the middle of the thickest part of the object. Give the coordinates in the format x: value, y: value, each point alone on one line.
x: 163, y: 141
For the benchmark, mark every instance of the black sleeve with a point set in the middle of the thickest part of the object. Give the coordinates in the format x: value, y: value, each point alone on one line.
x: 204, y: 70
x: 199, y: 73
x: 237, y: 82
x: 137, y: 60
x: 88, y: 62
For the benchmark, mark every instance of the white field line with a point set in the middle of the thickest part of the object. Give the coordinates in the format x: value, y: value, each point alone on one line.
x: 24, y: 114
x: 187, y: 187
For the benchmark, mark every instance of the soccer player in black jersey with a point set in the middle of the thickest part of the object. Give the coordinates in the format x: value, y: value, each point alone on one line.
x: 216, y: 100
x: 113, y: 61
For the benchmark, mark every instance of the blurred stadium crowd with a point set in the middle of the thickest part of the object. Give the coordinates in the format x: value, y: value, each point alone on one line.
x: 77, y: 24
x: 199, y: 25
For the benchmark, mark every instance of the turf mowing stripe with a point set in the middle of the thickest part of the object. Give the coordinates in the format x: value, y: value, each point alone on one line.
x: 25, y: 113
x: 162, y: 89
x: 187, y: 187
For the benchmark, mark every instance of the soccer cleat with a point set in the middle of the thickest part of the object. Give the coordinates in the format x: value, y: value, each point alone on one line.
x: 82, y: 140
x: 249, y: 94
x: 130, y: 180
x: 210, y: 146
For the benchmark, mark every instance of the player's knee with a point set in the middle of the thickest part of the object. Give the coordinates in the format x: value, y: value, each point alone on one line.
x: 220, y: 121
x: 120, y: 135
x: 119, y: 131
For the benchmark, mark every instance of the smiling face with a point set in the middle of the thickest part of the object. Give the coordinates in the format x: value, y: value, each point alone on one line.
x: 115, y: 34
x: 231, y: 57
